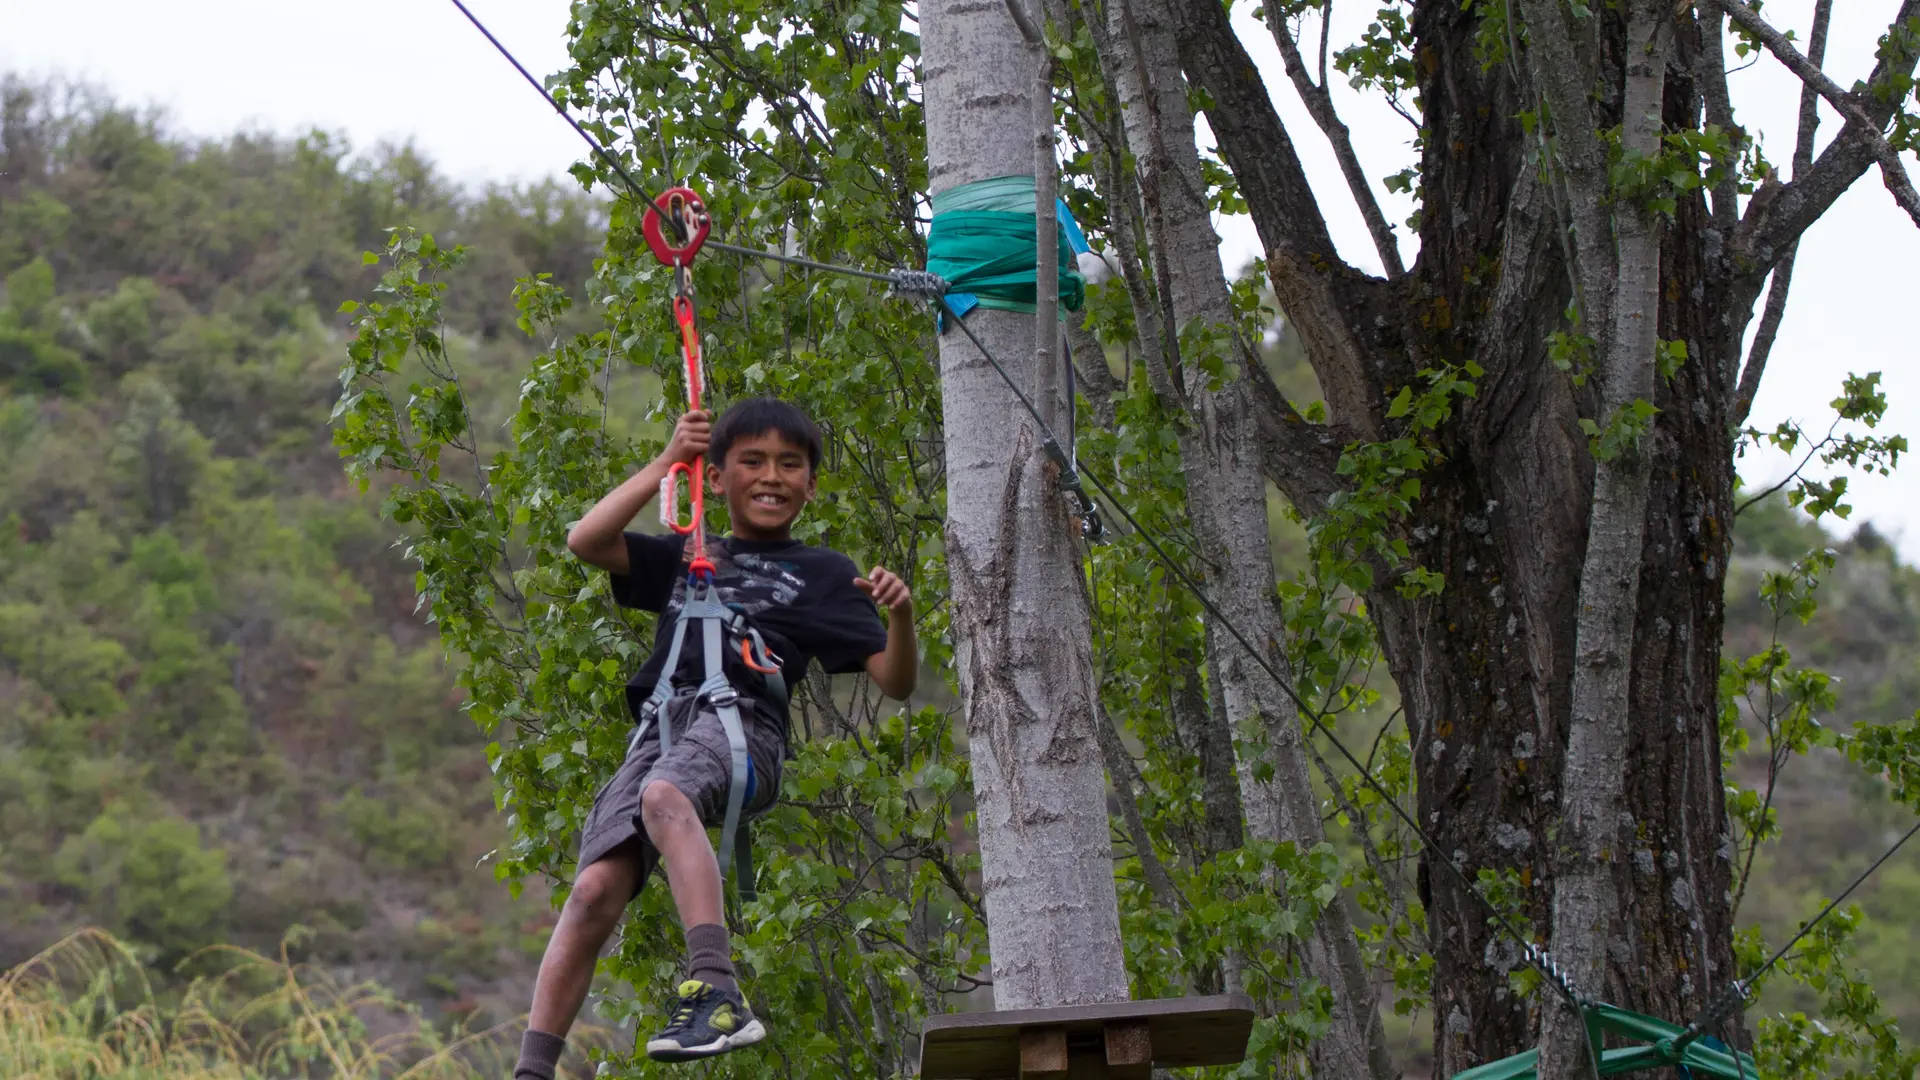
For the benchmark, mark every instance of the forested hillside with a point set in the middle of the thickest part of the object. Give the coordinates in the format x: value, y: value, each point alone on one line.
x: 221, y: 714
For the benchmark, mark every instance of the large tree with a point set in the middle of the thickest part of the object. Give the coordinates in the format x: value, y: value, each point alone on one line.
x: 1585, y: 254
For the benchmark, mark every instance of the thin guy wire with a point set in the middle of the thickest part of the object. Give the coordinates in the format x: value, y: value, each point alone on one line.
x: 1069, y: 475
x: 1737, y: 991
x: 796, y: 260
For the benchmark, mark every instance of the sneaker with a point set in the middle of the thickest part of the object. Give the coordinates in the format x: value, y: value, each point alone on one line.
x: 705, y: 1021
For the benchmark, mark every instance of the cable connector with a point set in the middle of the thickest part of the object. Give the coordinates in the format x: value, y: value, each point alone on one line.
x: 1547, y: 966
x: 916, y: 284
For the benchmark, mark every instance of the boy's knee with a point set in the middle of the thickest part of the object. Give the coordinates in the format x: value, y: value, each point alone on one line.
x: 595, y: 897
x: 661, y: 802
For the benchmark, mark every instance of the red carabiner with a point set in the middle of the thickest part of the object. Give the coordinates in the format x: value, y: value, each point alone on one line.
x: 685, y: 206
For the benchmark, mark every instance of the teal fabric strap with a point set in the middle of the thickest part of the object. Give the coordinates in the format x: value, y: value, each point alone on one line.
x: 982, y: 242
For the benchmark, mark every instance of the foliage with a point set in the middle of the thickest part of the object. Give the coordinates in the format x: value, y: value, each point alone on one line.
x: 1822, y: 1013
x: 217, y: 715
x: 83, y: 1009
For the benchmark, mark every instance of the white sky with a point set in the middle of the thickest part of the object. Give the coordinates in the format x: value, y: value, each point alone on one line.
x: 416, y: 70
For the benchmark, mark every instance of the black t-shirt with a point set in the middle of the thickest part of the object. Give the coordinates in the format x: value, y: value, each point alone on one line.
x: 802, y: 600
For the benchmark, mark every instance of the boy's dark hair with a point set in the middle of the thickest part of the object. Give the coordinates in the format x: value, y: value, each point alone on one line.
x: 757, y: 416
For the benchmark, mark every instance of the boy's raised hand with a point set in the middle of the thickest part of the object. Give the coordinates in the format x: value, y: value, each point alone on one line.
x: 690, y: 437
x: 886, y: 589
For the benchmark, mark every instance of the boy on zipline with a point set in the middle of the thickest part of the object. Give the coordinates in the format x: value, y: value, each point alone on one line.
x: 807, y: 603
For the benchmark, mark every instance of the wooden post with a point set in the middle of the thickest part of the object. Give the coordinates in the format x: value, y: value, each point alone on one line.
x: 1043, y: 1054
x: 1129, y: 1050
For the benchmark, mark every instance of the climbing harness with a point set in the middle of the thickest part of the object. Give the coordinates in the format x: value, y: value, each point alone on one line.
x: 1688, y: 1049
x: 719, y: 623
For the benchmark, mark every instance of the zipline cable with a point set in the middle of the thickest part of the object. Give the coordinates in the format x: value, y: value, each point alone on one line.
x: 679, y: 230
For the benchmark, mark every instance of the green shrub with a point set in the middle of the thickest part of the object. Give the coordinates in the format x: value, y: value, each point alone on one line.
x: 147, y: 876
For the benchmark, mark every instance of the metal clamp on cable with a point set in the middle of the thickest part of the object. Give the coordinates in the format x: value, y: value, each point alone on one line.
x: 916, y: 284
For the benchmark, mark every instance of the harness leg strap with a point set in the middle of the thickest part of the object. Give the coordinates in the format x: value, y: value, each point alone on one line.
x: 655, y: 707
x: 726, y: 703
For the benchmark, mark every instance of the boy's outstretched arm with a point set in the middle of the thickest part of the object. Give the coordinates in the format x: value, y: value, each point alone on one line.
x: 896, y: 669
x: 596, y: 538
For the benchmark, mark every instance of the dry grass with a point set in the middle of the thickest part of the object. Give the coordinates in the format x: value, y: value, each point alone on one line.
x: 84, y: 1009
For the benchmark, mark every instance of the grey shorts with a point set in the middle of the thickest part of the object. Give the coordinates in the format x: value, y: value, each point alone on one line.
x: 700, y: 764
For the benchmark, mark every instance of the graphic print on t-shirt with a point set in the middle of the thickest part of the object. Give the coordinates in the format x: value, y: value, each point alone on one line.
x: 746, y: 581
x: 800, y: 598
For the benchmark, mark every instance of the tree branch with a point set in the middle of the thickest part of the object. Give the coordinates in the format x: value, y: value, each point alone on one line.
x: 1769, y: 229
x: 1776, y: 309
x: 1711, y: 72
x: 1868, y: 127
x: 1327, y: 300
x: 1559, y: 72
x: 1320, y: 105
x: 1126, y: 780
x: 1300, y: 458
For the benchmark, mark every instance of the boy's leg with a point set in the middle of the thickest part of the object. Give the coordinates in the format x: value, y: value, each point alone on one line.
x: 589, y: 917
x: 693, y: 874
x: 685, y: 792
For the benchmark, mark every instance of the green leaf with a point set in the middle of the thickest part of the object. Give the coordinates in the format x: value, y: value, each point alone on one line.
x: 1402, y: 402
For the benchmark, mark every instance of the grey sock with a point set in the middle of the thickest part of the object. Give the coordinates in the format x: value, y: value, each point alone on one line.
x: 539, y: 1055
x: 710, y: 956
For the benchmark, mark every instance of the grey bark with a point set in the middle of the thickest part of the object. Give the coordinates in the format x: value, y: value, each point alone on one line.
x: 1020, y: 614
x: 1586, y: 902
x: 1226, y: 496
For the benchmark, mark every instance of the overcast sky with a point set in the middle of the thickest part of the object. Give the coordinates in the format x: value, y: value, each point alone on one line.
x: 399, y: 70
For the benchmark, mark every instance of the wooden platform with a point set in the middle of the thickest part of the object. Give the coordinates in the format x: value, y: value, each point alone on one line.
x: 1121, y: 1040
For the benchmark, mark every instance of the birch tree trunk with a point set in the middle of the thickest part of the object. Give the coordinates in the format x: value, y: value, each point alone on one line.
x: 1226, y: 495
x: 1020, y: 614
x: 1586, y: 898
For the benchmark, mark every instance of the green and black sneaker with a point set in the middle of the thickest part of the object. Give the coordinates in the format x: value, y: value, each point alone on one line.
x: 705, y: 1021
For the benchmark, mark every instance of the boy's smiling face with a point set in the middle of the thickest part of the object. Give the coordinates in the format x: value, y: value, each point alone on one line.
x: 766, y: 480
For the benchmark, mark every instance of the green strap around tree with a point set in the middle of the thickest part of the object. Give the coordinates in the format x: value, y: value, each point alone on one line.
x: 982, y: 243
x: 1664, y: 1046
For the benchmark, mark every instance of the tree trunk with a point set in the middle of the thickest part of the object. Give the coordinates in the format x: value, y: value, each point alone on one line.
x: 1493, y: 667
x: 1586, y: 904
x: 1226, y: 496
x: 1516, y: 222
x: 1020, y: 614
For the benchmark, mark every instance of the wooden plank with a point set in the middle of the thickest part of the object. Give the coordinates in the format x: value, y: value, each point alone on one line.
x: 1043, y: 1054
x: 1129, y: 1050
x: 1182, y: 1032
